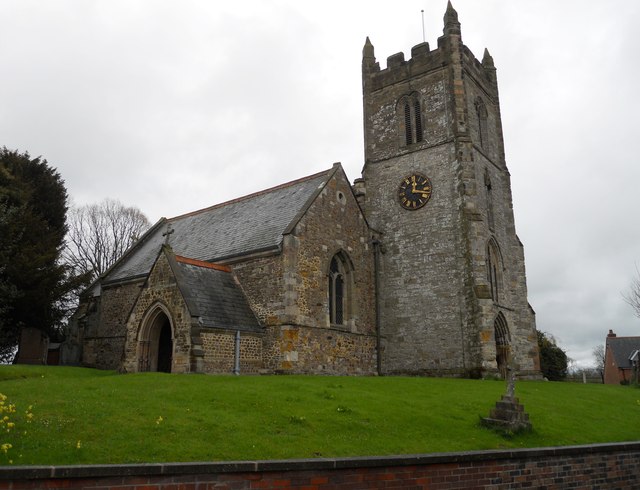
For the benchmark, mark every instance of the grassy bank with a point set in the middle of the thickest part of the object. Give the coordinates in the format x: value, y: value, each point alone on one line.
x: 88, y: 416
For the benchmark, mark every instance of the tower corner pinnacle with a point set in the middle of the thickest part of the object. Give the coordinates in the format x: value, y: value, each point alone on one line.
x: 368, y: 54
x: 487, y: 59
x: 451, y: 23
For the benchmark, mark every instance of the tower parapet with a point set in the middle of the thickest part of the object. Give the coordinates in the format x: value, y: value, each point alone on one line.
x: 422, y: 61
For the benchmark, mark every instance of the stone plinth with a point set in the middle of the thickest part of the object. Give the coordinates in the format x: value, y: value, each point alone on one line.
x: 508, y: 415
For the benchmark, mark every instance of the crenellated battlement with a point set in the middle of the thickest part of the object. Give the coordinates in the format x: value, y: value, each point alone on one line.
x: 424, y: 60
x: 484, y: 72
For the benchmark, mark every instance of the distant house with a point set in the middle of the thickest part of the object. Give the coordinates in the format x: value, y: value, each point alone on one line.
x: 621, y: 358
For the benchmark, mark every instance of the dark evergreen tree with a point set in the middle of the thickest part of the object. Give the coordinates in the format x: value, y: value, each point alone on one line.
x: 33, y: 207
x: 7, y: 290
x: 553, y: 360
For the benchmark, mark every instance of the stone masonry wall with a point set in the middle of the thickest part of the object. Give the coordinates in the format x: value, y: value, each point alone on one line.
x: 103, y: 353
x: 311, y: 350
x: 306, y: 341
x: 438, y: 314
x: 219, y: 352
x: 488, y: 164
x: 423, y: 265
x: 105, y: 326
x: 333, y: 223
x: 289, y: 291
x: 160, y: 289
x: 262, y: 281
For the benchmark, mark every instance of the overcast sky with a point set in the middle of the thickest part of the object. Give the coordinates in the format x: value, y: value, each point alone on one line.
x: 172, y: 106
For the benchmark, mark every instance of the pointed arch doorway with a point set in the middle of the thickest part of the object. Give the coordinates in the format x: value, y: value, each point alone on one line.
x: 155, y: 342
x: 503, y: 347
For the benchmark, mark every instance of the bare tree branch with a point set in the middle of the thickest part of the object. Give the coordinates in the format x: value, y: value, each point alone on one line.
x: 632, y: 296
x: 99, y: 234
x: 598, y: 354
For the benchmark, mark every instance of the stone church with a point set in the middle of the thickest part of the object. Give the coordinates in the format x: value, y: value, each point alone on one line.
x: 414, y: 269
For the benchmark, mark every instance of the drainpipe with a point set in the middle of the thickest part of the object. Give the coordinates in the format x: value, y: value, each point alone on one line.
x: 236, y: 367
x: 376, y: 273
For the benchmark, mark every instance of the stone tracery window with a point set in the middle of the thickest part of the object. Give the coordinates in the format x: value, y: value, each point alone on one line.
x: 339, y: 286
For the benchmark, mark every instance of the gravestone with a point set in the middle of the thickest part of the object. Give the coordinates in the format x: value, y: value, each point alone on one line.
x: 34, y: 347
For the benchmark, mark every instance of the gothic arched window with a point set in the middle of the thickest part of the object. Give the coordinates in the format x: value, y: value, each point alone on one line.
x: 339, y: 287
x: 489, y: 200
x: 481, y: 111
x: 494, y: 269
x: 503, y: 339
x: 409, y: 111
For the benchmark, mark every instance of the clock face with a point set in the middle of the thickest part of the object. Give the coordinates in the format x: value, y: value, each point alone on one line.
x: 414, y: 191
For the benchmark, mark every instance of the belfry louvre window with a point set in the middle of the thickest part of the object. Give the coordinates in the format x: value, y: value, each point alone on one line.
x: 410, y: 117
x: 339, y: 279
x: 418, y: 117
x: 408, y: 130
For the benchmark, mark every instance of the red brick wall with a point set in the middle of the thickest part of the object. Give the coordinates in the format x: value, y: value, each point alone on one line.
x: 577, y: 467
x: 610, y: 369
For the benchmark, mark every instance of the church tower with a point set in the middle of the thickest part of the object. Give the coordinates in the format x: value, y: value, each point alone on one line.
x: 435, y: 186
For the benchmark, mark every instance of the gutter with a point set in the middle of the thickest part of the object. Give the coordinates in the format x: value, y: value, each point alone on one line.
x: 376, y: 272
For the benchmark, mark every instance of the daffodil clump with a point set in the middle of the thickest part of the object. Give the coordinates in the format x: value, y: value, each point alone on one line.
x: 10, y: 421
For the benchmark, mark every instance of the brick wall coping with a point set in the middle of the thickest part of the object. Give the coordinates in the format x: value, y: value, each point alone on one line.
x: 205, y: 468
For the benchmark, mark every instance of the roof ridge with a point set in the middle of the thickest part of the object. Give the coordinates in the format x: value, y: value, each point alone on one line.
x: 255, y: 194
x: 201, y: 263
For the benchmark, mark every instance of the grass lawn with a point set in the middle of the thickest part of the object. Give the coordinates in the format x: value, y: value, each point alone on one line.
x: 88, y: 416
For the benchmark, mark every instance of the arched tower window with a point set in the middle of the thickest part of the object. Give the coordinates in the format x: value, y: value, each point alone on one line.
x: 503, y: 341
x: 489, y: 200
x: 494, y: 269
x: 340, y: 287
x: 481, y: 111
x: 409, y: 111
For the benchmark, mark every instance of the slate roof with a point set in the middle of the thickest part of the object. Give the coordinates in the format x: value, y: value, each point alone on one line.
x: 622, y: 348
x: 212, y: 294
x: 239, y: 227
